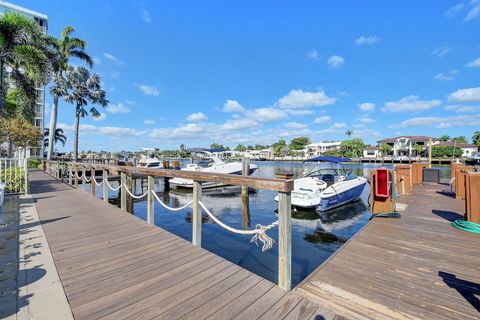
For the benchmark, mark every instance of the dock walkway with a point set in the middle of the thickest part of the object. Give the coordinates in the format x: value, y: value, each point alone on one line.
x: 113, y: 265
x: 416, y: 267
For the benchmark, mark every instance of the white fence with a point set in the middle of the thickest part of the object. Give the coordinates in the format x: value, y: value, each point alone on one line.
x: 14, y: 173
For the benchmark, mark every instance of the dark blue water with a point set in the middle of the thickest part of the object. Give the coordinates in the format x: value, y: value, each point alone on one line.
x: 314, y: 236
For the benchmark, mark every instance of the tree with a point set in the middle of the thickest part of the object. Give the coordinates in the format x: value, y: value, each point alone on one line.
x: 418, y: 149
x: 240, y: 148
x: 348, y: 133
x: 476, y: 138
x: 445, y: 137
x: 83, y: 88
x: 460, y: 139
x: 446, y: 151
x: 279, y: 148
x: 65, y: 47
x: 25, y: 59
x: 216, y: 145
x: 58, y: 137
x: 386, y: 149
x: 352, y: 148
x: 299, y: 143
x: 19, y: 132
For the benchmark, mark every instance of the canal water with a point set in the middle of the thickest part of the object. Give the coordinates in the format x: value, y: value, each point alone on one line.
x: 314, y: 236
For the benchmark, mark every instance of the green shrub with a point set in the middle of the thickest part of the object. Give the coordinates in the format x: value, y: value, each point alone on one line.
x: 446, y: 151
x: 33, y: 163
x: 14, y: 179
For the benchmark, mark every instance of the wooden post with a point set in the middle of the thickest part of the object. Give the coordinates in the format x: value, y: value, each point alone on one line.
x: 285, y: 240
x: 123, y: 192
x: 130, y: 187
x: 150, y: 199
x: 197, y: 214
x: 245, y: 172
x: 105, y: 186
x: 93, y: 186
x: 84, y: 178
x: 430, y: 152
x: 166, y: 184
x: 75, y: 178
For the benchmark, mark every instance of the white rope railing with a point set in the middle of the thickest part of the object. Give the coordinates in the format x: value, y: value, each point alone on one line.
x: 168, y: 207
x: 259, y: 233
x: 112, y: 188
x: 97, y: 183
x: 87, y: 180
x: 134, y: 196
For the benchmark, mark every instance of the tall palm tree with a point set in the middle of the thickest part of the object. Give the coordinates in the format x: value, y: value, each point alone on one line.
x: 476, y: 138
x: 83, y: 89
x: 65, y: 47
x: 25, y: 58
x: 58, y: 137
x: 349, y: 133
x: 445, y: 137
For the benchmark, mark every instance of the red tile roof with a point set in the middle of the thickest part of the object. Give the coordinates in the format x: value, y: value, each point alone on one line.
x: 452, y: 144
x: 417, y: 138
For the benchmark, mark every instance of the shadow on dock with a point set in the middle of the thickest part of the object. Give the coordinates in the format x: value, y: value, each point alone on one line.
x: 467, y: 289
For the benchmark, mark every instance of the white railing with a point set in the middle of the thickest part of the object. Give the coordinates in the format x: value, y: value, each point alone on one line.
x: 14, y: 174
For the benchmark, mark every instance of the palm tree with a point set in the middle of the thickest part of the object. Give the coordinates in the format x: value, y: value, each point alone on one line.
x: 476, y: 138
x: 58, y: 137
x: 348, y: 133
x: 25, y: 58
x: 418, y: 149
x: 445, y: 137
x: 65, y: 47
x: 386, y: 149
x: 83, y: 89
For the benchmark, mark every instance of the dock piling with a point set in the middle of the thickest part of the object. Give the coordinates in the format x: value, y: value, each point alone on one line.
x: 104, y: 185
x: 123, y: 192
x: 285, y: 240
x: 93, y: 186
x: 150, y: 203
x: 197, y: 214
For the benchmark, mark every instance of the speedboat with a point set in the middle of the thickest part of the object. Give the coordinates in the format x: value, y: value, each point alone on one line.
x: 150, y: 162
x: 327, y: 188
x: 213, y: 164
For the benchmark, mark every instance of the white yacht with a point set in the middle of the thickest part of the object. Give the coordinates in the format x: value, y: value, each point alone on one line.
x: 327, y: 188
x: 150, y: 162
x: 213, y: 164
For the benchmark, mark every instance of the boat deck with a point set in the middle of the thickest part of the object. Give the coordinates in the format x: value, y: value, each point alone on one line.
x: 113, y: 265
x: 415, y: 267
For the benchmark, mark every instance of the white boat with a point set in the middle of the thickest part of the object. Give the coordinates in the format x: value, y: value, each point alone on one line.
x: 210, y: 163
x: 327, y: 188
x: 150, y: 162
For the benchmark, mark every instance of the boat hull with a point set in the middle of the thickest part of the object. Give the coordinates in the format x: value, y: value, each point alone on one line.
x: 339, y: 199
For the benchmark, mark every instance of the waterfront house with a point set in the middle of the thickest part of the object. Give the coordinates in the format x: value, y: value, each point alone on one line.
x: 403, y: 145
x: 468, y: 150
x: 372, y: 152
x: 319, y: 148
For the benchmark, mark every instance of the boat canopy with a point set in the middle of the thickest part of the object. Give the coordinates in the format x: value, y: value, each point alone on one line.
x: 331, y: 159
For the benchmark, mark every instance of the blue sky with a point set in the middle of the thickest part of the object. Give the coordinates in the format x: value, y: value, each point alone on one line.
x: 197, y: 72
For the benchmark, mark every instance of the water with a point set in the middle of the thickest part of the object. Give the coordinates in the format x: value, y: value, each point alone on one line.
x: 314, y: 236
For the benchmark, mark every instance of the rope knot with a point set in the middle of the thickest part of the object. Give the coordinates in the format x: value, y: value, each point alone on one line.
x: 261, y: 235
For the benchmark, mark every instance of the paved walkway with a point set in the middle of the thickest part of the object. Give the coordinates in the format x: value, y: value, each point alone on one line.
x: 115, y: 266
x: 416, y: 267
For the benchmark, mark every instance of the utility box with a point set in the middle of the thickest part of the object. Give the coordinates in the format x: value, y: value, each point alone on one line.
x: 431, y: 175
x: 472, y: 196
x: 379, y: 204
x: 404, y: 178
x: 460, y: 173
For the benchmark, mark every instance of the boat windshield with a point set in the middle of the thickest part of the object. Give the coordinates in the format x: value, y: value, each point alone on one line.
x: 330, y: 174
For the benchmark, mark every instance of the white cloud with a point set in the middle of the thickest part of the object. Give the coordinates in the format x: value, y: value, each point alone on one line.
x: 145, y: 14
x: 367, y: 40
x: 233, y: 106
x: 365, y: 120
x: 339, y: 125
x: 454, y: 10
x: 441, y: 51
x: 410, y: 104
x: 322, y: 119
x: 336, y: 61
x: 474, y: 64
x: 443, y: 77
x: 465, y: 95
x: 113, y: 59
x: 366, y: 106
x: 462, y: 109
x: 149, y: 90
x: 473, y: 12
x: 190, y: 130
x: 149, y: 121
x: 299, y: 112
x: 117, y: 108
x: 313, y: 55
x: 440, y: 122
x: 197, y: 117
x: 303, y: 99
x: 266, y: 114
x: 102, y: 117
x: 130, y: 102
x: 88, y: 129
x: 97, y: 61
x: 239, y: 124
x: 295, y: 125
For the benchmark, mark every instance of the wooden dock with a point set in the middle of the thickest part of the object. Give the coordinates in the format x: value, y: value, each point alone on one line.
x: 113, y: 265
x: 415, y: 267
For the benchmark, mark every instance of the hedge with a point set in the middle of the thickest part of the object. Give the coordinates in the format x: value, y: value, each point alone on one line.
x: 14, y: 178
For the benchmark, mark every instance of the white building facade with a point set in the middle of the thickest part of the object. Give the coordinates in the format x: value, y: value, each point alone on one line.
x: 372, y: 152
x: 319, y: 148
x: 403, y: 145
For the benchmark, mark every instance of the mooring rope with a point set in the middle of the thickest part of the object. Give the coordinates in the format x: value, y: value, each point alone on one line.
x: 168, y: 207
x: 132, y: 195
x: 259, y: 233
x: 97, y: 183
x: 112, y: 188
x: 87, y: 180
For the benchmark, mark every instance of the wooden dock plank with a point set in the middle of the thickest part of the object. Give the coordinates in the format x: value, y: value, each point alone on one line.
x: 115, y: 266
x: 415, y: 267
